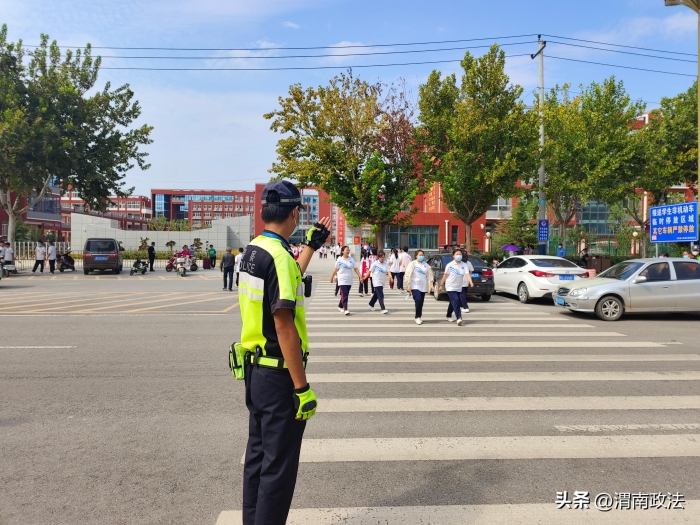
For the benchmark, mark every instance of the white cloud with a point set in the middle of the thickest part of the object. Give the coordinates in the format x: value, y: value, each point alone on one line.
x: 291, y: 25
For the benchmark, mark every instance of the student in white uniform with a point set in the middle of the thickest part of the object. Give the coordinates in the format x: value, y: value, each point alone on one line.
x: 465, y: 287
x: 453, y: 281
x: 378, y: 270
x: 394, y: 267
x: 404, y: 261
x: 344, y: 267
x: 40, y: 255
x: 419, y: 279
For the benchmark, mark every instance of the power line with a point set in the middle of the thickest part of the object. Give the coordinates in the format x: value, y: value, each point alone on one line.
x: 623, y: 67
x: 319, y: 56
x: 293, y: 67
x: 300, y: 48
x: 621, y: 45
x: 623, y: 52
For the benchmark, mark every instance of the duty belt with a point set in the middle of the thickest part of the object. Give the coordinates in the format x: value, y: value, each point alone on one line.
x: 278, y: 363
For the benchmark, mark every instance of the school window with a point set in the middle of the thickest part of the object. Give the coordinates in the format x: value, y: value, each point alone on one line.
x: 455, y: 233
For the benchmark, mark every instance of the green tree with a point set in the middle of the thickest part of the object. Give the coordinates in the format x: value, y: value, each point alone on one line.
x: 197, y: 242
x: 588, y: 149
x: 22, y: 231
x: 353, y: 140
x: 521, y: 228
x: 53, y: 132
x: 143, y: 246
x: 170, y: 245
x: 157, y: 224
x: 478, y: 139
x: 679, y: 131
x: 178, y: 225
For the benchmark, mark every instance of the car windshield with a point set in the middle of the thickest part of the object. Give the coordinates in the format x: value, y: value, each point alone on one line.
x: 101, y: 246
x: 622, y: 271
x: 553, y: 263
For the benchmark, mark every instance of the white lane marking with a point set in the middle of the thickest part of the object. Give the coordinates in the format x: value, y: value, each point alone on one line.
x: 112, y: 314
x: 413, y: 326
x: 470, y: 333
x: 615, y: 428
x: 452, y: 358
x: 360, y: 316
x: 434, y: 319
x: 36, y: 347
x: 507, y: 344
x: 515, y: 447
x: 448, y: 404
x: 459, y: 377
x: 506, y: 514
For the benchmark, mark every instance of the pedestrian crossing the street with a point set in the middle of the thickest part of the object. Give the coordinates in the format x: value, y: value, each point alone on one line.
x: 486, y: 422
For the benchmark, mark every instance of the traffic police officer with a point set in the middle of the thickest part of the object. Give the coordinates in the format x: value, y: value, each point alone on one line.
x: 278, y: 396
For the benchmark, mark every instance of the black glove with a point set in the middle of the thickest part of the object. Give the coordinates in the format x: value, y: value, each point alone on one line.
x: 317, y: 236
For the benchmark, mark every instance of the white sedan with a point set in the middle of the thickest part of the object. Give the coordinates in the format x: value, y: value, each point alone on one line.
x: 530, y: 276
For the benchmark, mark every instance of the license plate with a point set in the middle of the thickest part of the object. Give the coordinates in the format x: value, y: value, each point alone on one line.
x: 476, y: 275
x: 101, y: 258
x: 560, y: 301
x: 566, y: 277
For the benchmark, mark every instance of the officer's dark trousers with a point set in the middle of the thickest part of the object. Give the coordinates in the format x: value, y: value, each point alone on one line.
x: 274, y: 444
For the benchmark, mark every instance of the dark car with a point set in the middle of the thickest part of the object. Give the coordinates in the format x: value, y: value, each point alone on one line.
x: 482, y: 276
x: 102, y: 254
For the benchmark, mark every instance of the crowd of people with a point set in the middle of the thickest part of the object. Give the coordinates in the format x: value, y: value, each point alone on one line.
x: 405, y: 274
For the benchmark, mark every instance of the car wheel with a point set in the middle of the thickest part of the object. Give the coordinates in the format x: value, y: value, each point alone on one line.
x: 116, y: 270
x: 486, y: 297
x: 86, y: 271
x: 609, y: 308
x: 523, y: 294
x: 436, y: 292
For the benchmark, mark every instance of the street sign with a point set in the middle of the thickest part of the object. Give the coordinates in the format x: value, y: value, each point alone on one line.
x: 543, y: 230
x: 674, y: 222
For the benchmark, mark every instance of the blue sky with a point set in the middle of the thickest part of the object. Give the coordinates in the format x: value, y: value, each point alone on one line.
x: 209, y: 130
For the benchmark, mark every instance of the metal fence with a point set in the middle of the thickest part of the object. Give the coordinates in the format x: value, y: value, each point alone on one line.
x: 25, y: 255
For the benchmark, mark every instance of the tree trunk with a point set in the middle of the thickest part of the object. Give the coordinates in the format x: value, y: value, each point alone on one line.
x: 11, y: 225
x: 379, y: 237
x: 468, y: 233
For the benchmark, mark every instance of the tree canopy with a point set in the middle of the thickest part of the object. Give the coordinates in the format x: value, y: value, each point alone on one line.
x: 52, y: 132
x: 589, y: 150
x: 478, y: 139
x: 355, y: 141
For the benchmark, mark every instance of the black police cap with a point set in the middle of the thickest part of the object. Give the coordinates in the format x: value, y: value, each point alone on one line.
x: 281, y: 193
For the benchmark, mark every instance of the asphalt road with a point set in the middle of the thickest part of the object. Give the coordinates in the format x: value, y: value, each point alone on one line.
x: 117, y: 407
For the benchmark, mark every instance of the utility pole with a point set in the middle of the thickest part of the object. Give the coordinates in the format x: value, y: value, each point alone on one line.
x: 542, y: 213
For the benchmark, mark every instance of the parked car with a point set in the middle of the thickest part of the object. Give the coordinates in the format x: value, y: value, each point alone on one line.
x: 530, y: 276
x: 637, y: 285
x: 482, y: 276
x: 102, y: 254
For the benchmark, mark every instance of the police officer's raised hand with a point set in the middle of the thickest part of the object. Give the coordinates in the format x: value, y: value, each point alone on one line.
x: 318, y: 234
x: 305, y: 402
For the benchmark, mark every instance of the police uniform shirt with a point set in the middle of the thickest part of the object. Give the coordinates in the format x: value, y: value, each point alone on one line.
x: 269, y: 279
x: 455, y: 272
